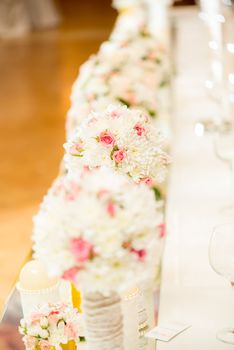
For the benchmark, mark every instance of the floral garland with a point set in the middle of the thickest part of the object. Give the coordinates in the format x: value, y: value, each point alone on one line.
x: 103, y: 231
x: 49, y: 326
x: 122, y: 139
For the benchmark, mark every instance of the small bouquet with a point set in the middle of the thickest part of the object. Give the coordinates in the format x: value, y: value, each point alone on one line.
x: 120, y: 138
x: 49, y: 326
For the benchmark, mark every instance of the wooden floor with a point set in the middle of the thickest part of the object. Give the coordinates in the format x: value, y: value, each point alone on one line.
x: 36, y: 75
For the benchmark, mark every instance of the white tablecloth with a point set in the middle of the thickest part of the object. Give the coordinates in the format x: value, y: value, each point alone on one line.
x: 191, y: 292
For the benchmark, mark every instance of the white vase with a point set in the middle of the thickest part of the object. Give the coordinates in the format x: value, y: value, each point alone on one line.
x: 103, y: 321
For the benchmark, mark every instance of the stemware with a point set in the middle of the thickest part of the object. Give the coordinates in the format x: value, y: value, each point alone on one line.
x: 218, y: 15
x: 221, y: 257
x: 224, y: 150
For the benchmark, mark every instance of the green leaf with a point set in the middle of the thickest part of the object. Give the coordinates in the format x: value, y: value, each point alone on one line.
x: 124, y: 102
x: 115, y: 148
x: 78, y: 155
x: 157, y: 193
x: 152, y: 113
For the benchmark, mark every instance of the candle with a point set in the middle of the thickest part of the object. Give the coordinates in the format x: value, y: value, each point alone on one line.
x: 34, y: 276
x: 36, y: 287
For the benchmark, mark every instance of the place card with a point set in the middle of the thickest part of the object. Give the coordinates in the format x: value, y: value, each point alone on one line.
x: 167, y: 331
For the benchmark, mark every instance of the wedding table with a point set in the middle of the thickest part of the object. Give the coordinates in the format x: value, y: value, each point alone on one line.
x: 191, y: 292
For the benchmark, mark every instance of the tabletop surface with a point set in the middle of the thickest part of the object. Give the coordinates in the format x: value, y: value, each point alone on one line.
x: 191, y: 292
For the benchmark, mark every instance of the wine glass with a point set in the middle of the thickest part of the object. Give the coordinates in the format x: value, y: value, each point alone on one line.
x: 224, y: 150
x: 221, y: 256
x: 212, y: 18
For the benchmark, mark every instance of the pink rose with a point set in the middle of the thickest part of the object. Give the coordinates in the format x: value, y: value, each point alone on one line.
x: 115, y: 114
x: 70, y: 274
x: 111, y: 209
x: 53, y: 317
x: 73, y: 192
x: 141, y: 253
x: 45, y: 345
x: 103, y: 193
x: 57, y: 189
x: 70, y: 331
x: 81, y: 249
x: 131, y: 98
x: 140, y: 129
x: 119, y: 156
x: 162, y: 230
x: 147, y: 181
x: 107, y: 138
x: 76, y: 149
x: 86, y: 169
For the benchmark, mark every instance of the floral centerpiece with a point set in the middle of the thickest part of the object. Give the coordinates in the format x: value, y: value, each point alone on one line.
x: 103, y: 233
x: 122, y: 139
x: 131, y: 72
x: 49, y: 326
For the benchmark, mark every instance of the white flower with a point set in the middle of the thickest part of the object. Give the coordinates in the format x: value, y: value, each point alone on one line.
x: 44, y: 322
x: 43, y: 333
x: 23, y: 323
x: 106, y: 227
x: 34, y: 331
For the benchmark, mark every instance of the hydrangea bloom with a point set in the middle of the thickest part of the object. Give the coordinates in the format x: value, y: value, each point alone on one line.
x: 102, y: 231
x: 131, y: 72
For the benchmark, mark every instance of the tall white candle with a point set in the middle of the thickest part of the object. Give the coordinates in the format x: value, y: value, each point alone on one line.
x: 36, y: 287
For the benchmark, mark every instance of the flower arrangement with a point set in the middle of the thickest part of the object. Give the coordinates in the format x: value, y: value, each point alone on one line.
x: 101, y: 231
x: 130, y: 72
x: 49, y: 326
x: 121, y: 138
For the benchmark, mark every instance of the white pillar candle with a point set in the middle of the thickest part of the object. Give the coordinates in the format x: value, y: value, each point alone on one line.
x: 34, y: 276
x: 36, y: 287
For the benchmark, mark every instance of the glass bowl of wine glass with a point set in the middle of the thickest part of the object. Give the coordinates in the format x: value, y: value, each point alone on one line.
x: 221, y: 257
